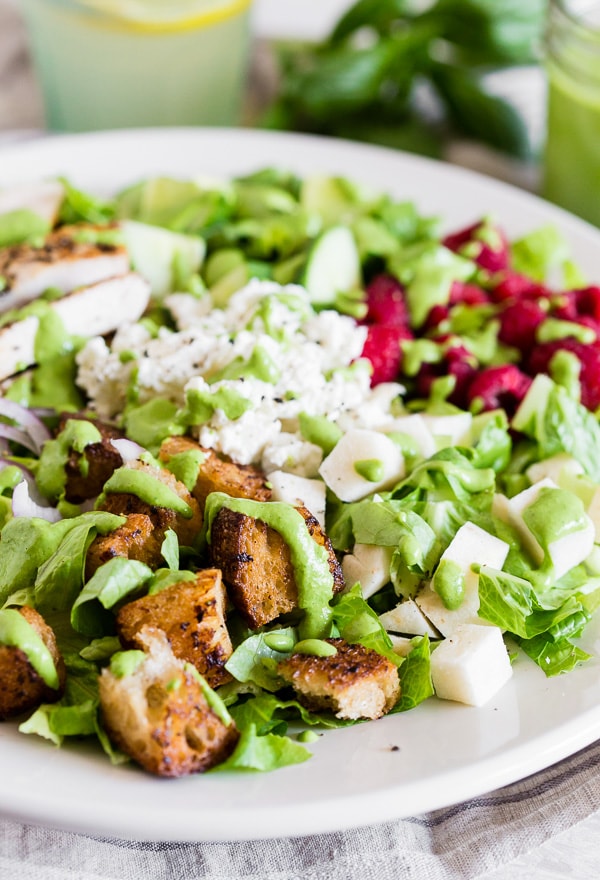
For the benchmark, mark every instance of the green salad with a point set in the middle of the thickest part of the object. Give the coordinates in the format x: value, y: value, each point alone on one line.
x: 279, y: 455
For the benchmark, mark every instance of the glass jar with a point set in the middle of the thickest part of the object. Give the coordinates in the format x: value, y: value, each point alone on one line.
x: 571, y: 172
x: 127, y: 63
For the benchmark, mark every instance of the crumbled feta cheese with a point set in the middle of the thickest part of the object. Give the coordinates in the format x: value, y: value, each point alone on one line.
x: 313, y: 364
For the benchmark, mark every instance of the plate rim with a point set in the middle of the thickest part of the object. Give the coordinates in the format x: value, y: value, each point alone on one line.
x: 335, y: 813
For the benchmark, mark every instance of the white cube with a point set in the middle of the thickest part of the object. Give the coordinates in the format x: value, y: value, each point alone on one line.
x: 471, y: 665
x: 369, y: 566
x: 407, y: 617
x: 339, y: 470
x: 471, y: 544
x: 299, y: 491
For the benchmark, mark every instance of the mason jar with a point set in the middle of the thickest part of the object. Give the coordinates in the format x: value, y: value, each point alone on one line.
x: 571, y: 167
x: 129, y: 63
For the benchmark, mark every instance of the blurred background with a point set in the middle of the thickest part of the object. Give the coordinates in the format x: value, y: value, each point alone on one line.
x: 461, y: 80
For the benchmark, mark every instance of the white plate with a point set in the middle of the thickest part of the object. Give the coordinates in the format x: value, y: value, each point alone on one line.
x: 446, y: 752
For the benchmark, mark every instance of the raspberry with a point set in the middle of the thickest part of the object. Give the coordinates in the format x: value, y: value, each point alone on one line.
x: 589, y: 357
x: 382, y: 348
x: 386, y: 303
x: 436, y: 315
x: 486, y: 245
x: 496, y: 387
x: 512, y: 285
x: 469, y: 294
x: 518, y: 323
x: 458, y: 362
x: 581, y: 306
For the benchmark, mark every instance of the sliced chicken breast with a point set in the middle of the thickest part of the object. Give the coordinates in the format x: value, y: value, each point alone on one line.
x: 90, y: 311
x: 65, y: 260
x: 43, y: 199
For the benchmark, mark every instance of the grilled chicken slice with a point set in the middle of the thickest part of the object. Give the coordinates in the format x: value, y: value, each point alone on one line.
x: 22, y: 688
x: 257, y: 566
x: 356, y: 682
x: 91, y: 311
x: 192, y: 614
x: 217, y: 474
x: 43, y: 199
x: 65, y: 261
x: 159, y: 715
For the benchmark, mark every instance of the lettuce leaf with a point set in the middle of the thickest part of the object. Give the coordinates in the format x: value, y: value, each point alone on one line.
x: 263, y: 753
x: 415, y: 676
x: 117, y: 578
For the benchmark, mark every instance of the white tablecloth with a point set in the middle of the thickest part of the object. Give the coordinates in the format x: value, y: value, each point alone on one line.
x: 547, y: 826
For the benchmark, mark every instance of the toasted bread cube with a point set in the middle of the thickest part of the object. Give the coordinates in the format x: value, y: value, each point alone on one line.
x: 470, y: 666
x: 354, y: 683
x: 163, y: 518
x: 159, y: 716
x: 136, y: 539
x: 101, y: 460
x: 192, y: 614
x: 22, y: 687
x: 257, y: 566
x: 217, y: 474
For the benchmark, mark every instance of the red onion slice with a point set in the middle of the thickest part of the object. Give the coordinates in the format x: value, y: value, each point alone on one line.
x: 24, y: 505
x: 128, y: 449
x: 27, y: 420
x: 29, y: 478
x: 8, y: 432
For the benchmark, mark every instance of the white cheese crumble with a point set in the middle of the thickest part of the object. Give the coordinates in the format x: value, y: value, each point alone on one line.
x: 313, y: 363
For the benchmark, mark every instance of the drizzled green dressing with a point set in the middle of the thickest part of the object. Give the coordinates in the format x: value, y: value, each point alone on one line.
x: 370, y: 469
x: 554, y: 514
x: 76, y: 435
x: 148, y: 488
x: 449, y: 583
x: 310, y: 561
x: 16, y: 632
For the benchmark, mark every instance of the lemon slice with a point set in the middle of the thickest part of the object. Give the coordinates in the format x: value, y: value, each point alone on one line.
x: 163, y: 15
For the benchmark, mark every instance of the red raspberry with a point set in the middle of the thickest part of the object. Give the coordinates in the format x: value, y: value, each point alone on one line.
x: 468, y: 294
x: 386, y: 302
x: 496, y: 387
x: 493, y: 257
x: 518, y: 323
x: 382, y: 348
x: 581, y: 306
x: 589, y: 357
x: 512, y: 285
x: 436, y: 315
x: 458, y: 362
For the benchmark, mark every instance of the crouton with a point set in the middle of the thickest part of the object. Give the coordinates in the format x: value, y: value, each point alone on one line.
x: 22, y: 687
x: 136, y: 539
x: 354, y: 683
x: 163, y: 518
x: 257, y: 567
x: 192, y: 614
x: 218, y: 474
x: 159, y: 716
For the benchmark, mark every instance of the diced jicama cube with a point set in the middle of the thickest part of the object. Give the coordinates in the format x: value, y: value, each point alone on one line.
x: 554, y: 468
x: 299, y: 491
x: 362, y: 462
x: 471, y: 665
x: 566, y: 551
x: 413, y: 426
x: 470, y: 545
x: 369, y: 566
x: 450, y: 430
x: 407, y: 617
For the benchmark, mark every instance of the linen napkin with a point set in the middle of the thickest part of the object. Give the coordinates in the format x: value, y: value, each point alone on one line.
x: 469, y: 840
